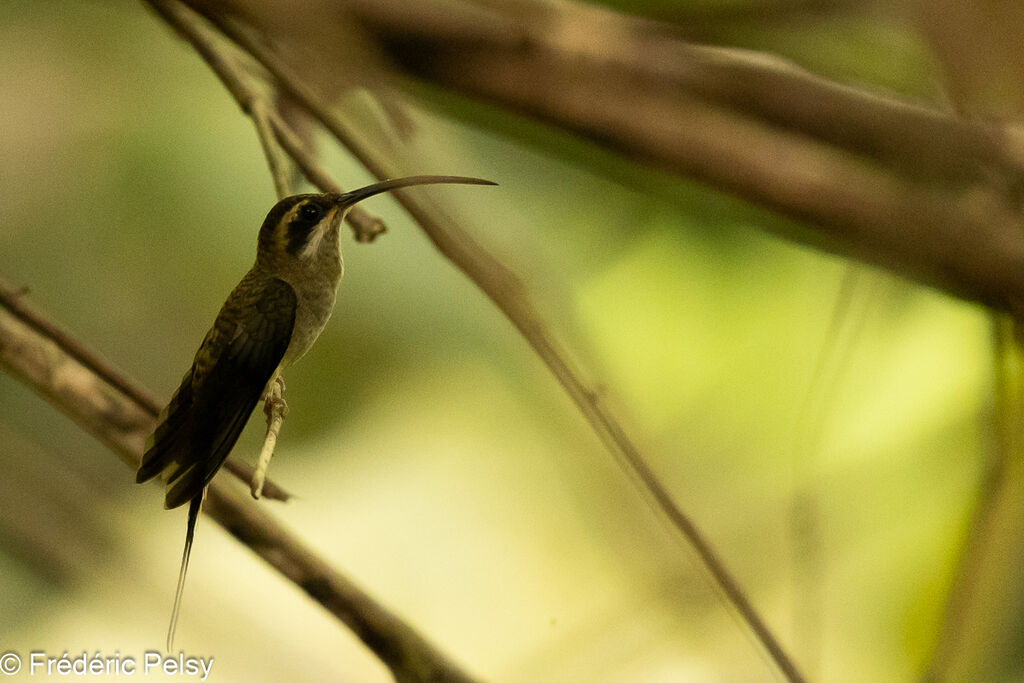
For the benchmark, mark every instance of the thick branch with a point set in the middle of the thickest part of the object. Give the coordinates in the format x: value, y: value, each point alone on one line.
x: 122, y: 423
x: 13, y: 300
x: 592, y: 41
x: 892, y: 183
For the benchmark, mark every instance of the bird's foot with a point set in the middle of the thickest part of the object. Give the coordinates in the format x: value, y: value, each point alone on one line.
x: 274, y: 404
x: 275, y: 408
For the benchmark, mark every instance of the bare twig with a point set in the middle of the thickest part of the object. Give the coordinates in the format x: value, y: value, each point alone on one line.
x: 509, y: 294
x: 13, y: 300
x: 122, y: 422
x: 267, y: 133
x: 960, y: 609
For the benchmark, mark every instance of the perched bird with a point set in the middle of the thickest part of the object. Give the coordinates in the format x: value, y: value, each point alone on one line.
x: 270, y: 319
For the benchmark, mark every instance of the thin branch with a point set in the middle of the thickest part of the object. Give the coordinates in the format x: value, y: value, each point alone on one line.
x: 118, y: 419
x: 509, y: 294
x: 961, y: 606
x: 14, y: 301
x: 267, y: 133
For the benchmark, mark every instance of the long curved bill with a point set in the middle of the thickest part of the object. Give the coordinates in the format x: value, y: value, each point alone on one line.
x: 348, y: 199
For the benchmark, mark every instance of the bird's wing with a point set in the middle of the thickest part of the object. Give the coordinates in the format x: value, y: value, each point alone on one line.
x: 234, y: 364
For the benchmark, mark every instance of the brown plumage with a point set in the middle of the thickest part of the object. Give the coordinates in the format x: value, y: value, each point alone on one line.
x: 270, y: 319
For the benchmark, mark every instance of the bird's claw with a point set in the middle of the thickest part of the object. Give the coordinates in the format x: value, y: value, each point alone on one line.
x: 275, y: 403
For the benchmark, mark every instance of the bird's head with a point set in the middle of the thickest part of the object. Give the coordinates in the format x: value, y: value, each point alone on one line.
x: 296, y: 228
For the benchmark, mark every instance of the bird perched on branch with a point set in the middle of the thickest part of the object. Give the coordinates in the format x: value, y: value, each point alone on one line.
x: 270, y: 319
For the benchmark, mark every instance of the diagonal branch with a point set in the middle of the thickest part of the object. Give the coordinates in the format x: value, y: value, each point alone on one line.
x: 504, y: 288
x: 966, y: 594
x: 118, y: 419
x: 13, y: 300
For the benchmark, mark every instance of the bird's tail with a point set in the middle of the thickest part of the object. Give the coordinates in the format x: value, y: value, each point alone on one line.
x: 194, y: 507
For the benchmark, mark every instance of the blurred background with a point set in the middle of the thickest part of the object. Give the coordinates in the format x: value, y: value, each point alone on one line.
x: 827, y: 425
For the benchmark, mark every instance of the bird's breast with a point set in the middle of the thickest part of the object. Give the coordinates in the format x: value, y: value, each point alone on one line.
x: 315, y: 296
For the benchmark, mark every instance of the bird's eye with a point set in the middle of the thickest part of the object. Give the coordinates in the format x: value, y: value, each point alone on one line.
x: 310, y: 213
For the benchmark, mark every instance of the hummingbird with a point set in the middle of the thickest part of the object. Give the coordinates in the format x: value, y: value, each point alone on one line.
x: 269, y: 321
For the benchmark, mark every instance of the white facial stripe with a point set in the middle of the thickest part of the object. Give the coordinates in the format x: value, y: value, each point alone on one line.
x: 316, y: 236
